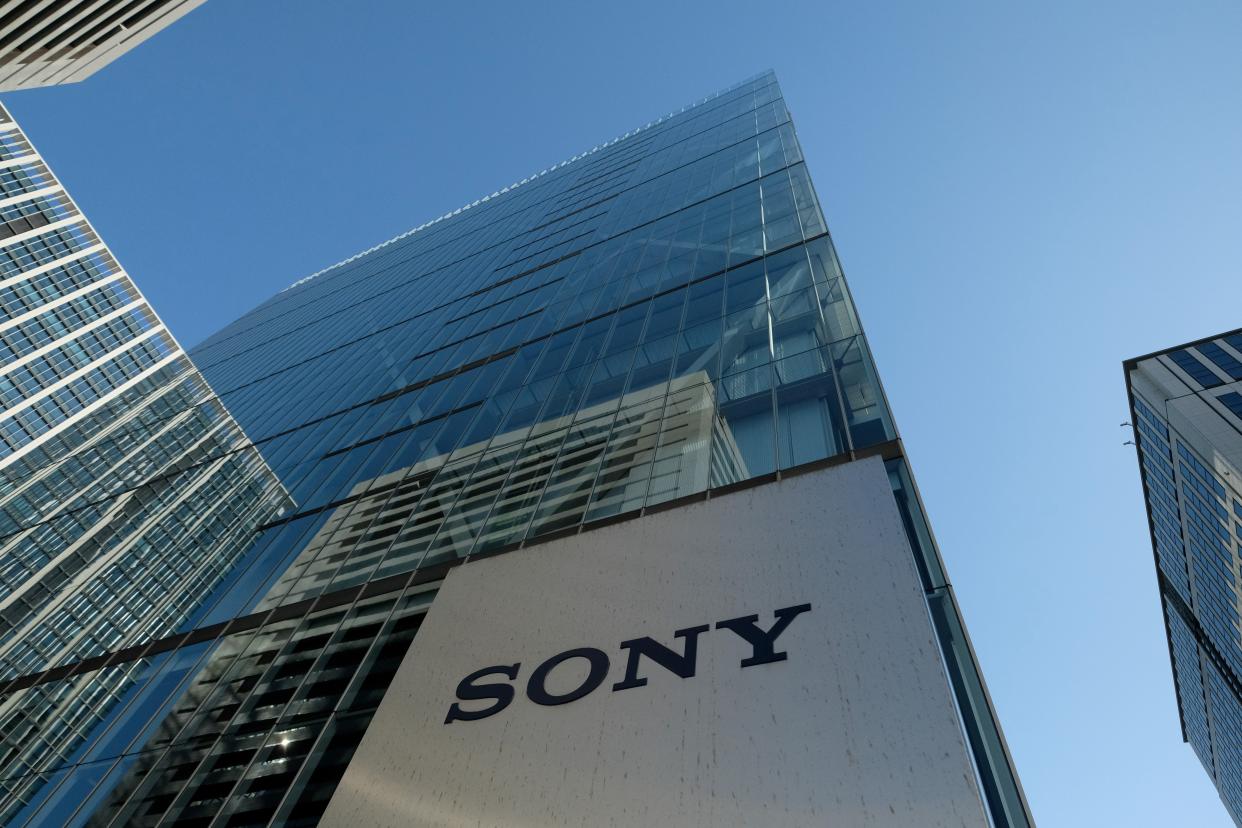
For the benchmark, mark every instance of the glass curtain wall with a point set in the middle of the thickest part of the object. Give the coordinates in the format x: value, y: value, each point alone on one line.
x: 127, y: 491
x: 659, y: 317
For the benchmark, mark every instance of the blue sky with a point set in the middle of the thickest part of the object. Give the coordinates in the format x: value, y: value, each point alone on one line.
x: 1022, y: 197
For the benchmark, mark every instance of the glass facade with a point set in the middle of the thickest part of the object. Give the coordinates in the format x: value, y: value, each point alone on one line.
x: 1188, y: 425
x: 659, y: 317
x: 127, y: 492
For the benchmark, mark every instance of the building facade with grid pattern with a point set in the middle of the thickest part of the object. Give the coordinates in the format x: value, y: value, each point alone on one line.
x: 127, y: 492
x: 1186, y: 404
x: 655, y: 320
x: 50, y: 42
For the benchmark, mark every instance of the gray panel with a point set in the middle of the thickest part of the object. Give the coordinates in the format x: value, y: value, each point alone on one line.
x: 856, y: 727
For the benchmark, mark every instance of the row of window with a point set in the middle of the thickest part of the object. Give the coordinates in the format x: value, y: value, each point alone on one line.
x: 64, y: 402
x: 13, y: 144
x: 62, y: 320
x: 1190, y: 361
x: 20, y: 256
x: 49, y: 368
x: 24, y: 178
x: 24, y: 216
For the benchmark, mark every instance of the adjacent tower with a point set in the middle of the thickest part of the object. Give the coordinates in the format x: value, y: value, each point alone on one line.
x: 128, y: 495
x: 1186, y: 408
x: 597, y: 513
x: 50, y: 42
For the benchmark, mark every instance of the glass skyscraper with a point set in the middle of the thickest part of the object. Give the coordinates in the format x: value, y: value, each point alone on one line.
x: 1186, y: 406
x: 127, y: 492
x: 660, y: 317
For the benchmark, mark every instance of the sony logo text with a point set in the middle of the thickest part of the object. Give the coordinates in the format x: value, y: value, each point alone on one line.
x: 501, y: 694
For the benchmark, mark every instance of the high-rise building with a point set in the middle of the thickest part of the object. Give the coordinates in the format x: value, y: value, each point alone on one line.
x: 626, y: 399
x: 1186, y: 408
x: 127, y: 493
x: 49, y: 42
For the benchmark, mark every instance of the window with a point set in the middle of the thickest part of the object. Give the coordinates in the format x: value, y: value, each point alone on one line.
x: 1222, y: 359
x: 1232, y: 401
x: 1199, y: 372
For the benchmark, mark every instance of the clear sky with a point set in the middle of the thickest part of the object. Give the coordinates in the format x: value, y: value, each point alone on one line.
x: 1023, y: 195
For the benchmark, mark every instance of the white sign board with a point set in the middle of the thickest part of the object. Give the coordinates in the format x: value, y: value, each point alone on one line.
x: 763, y: 658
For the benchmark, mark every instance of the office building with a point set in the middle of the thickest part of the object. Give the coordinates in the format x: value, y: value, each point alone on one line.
x: 49, y: 42
x: 618, y: 416
x: 1186, y: 407
x: 127, y: 493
